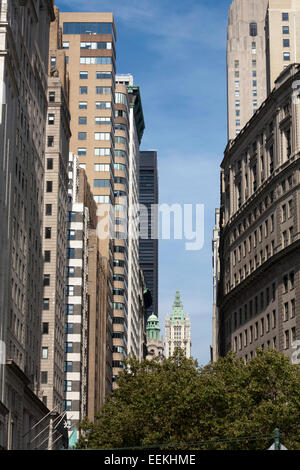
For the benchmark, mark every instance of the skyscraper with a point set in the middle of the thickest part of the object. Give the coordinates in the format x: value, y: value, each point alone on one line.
x: 23, y: 111
x: 246, y: 62
x: 148, y: 250
x: 177, y: 330
x: 262, y: 40
x: 259, y: 288
x: 282, y: 37
x: 55, y: 223
x: 89, y: 41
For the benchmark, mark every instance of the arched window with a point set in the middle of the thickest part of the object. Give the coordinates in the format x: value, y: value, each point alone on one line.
x: 253, y: 29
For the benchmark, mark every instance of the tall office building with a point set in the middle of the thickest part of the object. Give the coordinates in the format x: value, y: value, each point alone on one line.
x: 55, y: 223
x: 259, y: 293
x: 148, y: 248
x: 89, y: 41
x: 282, y: 36
x: 24, y: 46
x: 86, y: 296
x: 263, y: 39
x: 246, y: 62
x: 135, y: 335
x: 177, y: 330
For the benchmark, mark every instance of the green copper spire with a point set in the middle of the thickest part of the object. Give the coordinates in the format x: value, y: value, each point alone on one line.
x: 153, y: 328
x: 177, y: 310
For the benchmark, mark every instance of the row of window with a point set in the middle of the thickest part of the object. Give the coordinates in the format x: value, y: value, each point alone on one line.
x: 100, y: 90
x: 99, y: 75
x: 98, y: 120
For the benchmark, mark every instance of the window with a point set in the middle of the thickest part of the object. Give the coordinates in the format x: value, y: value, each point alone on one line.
x: 70, y: 253
x: 102, y: 152
x: 70, y: 271
x: 286, y: 311
x: 51, y: 96
x: 102, y: 90
x: 46, y: 304
x: 101, y: 183
x: 70, y: 291
x: 254, y: 83
x: 49, y: 163
x: 81, y: 152
x: 101, y: 199
x: 102, y: 136
x: 286, y: 43
x: 82, y: 105
x: 45, y: 328
x: 71, y: 235
x: 285, y: 30
x: 286, y: 56
x: 95, y: 45
x: 53, y: 61
x: 68, y: 405
x: 237, y: 84
x: 44, y: 353
x: 49, y: 186
x: 46, y: 282
x: 51, y: 119
x: 67, y: 59
x: 287, y: 339
x: 285, y: 17
x: 68, y: 347
x: 68, y: 366
x: 83, y: 75
x: 71, y: 216
x: 69, y: 309
x: 103, y: 104
x: 103, y: 75
x: 82, y: 120
x: 44, y: 377
x: 48, y: 232
x: 101, y: 167
x: 81, y: 135
x: 66, y: 45
x: 69, y: 328
x: 47, y: 256
x: 95, y: 60
x: 68, y: 385
x: 50, y: 142
x: 253, y: 29
x: 83, y: 90
x: 48, y: 209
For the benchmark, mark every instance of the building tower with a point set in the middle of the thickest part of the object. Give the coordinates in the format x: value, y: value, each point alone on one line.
x: 89, y: 40
x: 246, y: 62
x: 136, y: 130
x: 177, y: 330
x: 155, y: 346
x: 24, y: 49
x: 55, y: 223
x: 259, y: 288
x: 282, y: 37
x: 148, y: 249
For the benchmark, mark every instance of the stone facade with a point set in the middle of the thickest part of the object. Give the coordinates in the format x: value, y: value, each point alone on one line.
x: 259, y: 289
x: 55, y: 223
x: 24, y: 46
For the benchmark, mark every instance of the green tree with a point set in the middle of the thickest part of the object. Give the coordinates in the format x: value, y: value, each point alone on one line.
x: 178, y: 403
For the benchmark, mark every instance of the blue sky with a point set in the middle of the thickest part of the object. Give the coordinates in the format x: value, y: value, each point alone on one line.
x: 176, y: 51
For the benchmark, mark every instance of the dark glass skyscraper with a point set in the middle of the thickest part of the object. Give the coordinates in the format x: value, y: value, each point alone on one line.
x: 149, y: 247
